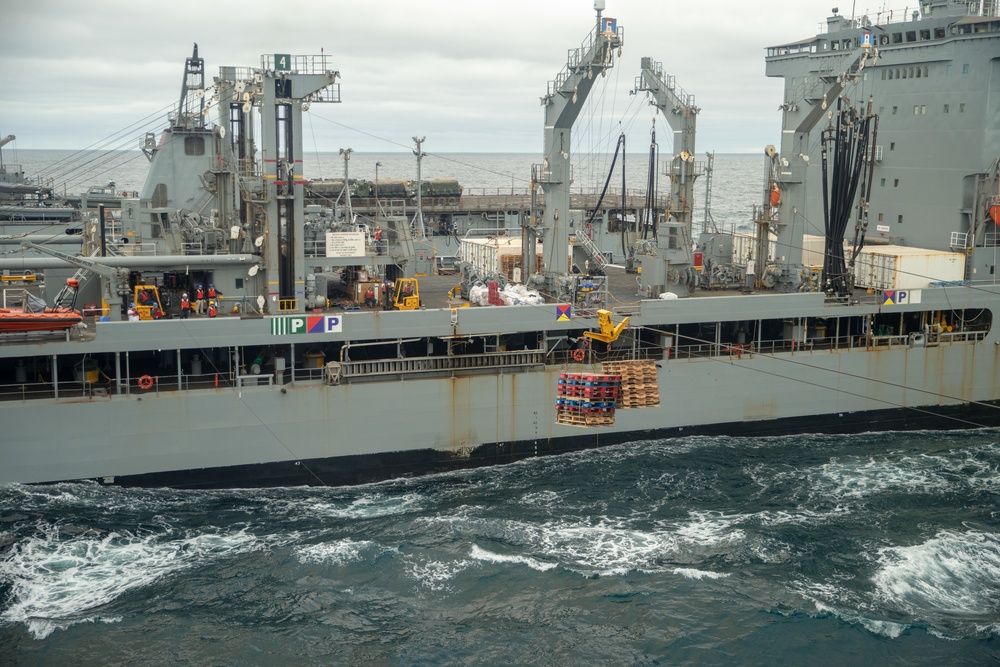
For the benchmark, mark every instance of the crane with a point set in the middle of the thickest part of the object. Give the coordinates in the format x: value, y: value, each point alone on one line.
x: 673, y: 265
x: 115, y: 280
x: 563, y: 101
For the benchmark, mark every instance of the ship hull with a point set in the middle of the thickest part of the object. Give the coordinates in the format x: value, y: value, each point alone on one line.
x: 368, y: 468
x: 316, y: 433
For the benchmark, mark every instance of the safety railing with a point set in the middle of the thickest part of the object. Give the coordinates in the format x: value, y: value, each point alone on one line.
x: 347, y: 371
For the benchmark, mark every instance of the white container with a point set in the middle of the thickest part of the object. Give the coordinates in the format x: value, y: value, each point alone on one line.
x: 485, y: 253
x: 891, y: 267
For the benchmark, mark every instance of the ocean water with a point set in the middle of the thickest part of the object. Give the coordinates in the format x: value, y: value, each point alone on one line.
x: 872, y: 549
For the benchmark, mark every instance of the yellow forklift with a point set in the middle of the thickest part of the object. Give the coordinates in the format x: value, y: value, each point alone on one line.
x: 405, y: 295
x: 147, y: 301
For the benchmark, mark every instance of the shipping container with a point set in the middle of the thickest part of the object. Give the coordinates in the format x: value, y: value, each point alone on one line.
x: 892, y: 267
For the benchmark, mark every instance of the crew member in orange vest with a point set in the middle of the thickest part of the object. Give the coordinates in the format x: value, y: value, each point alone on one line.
x: 185, y: 306
x: 212, y: 311
x: 199, y: 300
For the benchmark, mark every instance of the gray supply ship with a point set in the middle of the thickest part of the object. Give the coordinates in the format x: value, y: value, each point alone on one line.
x: 862, y: 301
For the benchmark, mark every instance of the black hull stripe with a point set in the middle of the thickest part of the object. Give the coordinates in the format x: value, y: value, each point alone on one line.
x: 366, y: 468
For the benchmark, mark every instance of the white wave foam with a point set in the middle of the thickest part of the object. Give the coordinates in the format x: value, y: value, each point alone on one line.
x: 543, y: 499
x: 366, y: 507
x: 857, y: 479
x: 692, y: 573
x: 889, y: 629
x: 801, y: 516
x: 478, y: 553
x: 435, y: 574
x: 340, y: 552
x: 953, y: 573
x: 712, y: 528
x: 608, y: 548
x: 931, y: 473
x: 55, y: 580
x: 605, y: 546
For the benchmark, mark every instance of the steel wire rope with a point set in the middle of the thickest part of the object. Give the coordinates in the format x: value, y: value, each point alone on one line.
x: 80, y: 159
x: 312, y: 133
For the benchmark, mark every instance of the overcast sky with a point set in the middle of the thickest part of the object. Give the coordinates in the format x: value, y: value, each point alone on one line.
x: 467, y: 75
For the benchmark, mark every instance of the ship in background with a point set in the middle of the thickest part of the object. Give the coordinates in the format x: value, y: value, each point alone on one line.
x: 863, y: 301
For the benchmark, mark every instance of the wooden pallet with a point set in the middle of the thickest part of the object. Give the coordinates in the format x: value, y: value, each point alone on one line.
x: 584, y: 420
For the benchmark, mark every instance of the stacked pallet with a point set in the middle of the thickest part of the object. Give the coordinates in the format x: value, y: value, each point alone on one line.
x: 638, y: 383
x: 587, y: 399
x: 509, y: 262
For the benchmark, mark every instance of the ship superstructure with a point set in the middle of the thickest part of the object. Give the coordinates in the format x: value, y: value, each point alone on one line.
x: 284, y: 387
x: 932, y: 77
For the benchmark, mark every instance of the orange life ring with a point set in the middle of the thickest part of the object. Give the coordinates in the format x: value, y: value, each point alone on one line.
x: 578, y: 355
x: 145, y: 382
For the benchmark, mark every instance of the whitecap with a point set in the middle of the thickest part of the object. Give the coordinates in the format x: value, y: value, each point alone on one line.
x: 889, y: 629
x: 478, y: 553
x: 953, y: 573
x: 712, y: 528
x: 436, y: 574
x: 339, y: 552
x: 692, y: 573
x: 55, y: 579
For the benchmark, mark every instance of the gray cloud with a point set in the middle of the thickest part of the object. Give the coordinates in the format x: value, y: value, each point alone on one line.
x: 468, y: 75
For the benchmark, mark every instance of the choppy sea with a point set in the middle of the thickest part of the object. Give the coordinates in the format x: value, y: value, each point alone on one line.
x: 873, y: 549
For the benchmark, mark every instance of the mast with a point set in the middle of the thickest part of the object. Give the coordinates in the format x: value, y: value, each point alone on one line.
x: 672, y: 266
x: 288, y: 85
x: 563, y: 101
